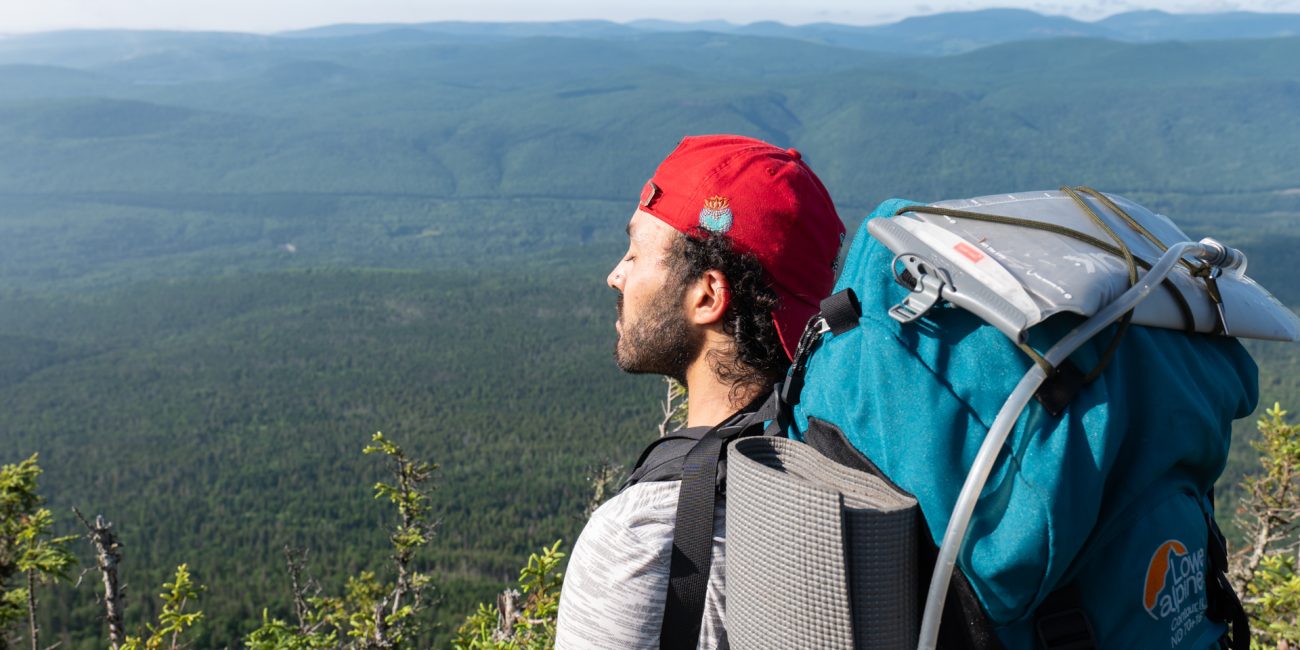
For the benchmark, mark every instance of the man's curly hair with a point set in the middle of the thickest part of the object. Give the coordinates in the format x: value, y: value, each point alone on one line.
x: 757, y: 358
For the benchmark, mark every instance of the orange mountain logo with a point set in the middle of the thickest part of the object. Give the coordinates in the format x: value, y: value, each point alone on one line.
x: 1158, y: 573
x: 1175, y: 581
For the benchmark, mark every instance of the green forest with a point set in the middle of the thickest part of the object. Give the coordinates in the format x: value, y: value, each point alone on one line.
x: 226, y: 260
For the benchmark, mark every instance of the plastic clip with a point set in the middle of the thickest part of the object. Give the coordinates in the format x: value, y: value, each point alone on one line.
x: 928, y: 292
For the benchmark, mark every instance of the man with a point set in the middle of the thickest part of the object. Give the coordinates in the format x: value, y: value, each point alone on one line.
x: 729, y: 253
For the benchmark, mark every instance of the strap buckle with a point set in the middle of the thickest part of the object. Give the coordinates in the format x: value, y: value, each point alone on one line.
x: 1067, y: 629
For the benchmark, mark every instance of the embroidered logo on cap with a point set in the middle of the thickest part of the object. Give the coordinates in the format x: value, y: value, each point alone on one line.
x: 716, y: 215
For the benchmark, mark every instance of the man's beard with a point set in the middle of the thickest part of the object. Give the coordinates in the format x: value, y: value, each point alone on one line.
x: 661, y: 342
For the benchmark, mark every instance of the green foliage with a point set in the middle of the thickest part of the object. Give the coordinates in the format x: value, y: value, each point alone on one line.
x: 1264, y: 571
x: 526, y: 625
x: 409, y: 494
x: 371, y: 614
x: 18, y: 499
x: 1278, y: 486
x: 41, y: 553
x: 27, y: 551
x: 175, y: 617
x: 275, y: 634
x: 1274, y: 602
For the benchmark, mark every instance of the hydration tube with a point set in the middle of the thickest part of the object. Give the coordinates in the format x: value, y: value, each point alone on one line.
x: 1207, y: 250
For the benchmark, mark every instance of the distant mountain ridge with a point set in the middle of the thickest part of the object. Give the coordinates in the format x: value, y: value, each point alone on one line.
x: 932, y: 35
x: 936, y: 34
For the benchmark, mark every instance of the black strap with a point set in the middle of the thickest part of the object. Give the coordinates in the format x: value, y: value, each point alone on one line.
x: 841, y: 311
x: 1062, y: 623
x: 692, y: 553
x: 688, y: 575
x: 1222, y: 603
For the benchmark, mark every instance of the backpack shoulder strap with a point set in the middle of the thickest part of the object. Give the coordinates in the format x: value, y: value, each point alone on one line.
x: 692, y: 550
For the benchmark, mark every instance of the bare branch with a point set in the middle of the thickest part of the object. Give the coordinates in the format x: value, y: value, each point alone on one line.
x: 381, y: 626
x: 107, y: 557
x: 302, y: 589
x: 509, y: 612
x: 31, y: 609
x: 673, y: 407
x: 603, y: 485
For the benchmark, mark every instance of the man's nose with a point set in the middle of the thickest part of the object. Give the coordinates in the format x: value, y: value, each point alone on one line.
x: 615, y: 279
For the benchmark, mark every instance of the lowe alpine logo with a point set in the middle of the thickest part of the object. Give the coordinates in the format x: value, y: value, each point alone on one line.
x: 716, y: 215
x: 1175, y: 588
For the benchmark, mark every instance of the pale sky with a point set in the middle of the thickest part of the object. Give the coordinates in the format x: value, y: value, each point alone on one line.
x: 18, y: 16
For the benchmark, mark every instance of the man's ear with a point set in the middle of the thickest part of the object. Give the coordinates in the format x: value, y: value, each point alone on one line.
x: 708, y: 298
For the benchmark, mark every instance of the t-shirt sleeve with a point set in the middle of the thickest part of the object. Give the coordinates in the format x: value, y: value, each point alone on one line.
x: 614, y: 588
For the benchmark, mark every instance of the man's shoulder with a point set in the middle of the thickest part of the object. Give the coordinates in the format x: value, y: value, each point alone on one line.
x: 653, y: 502
x: 633, y: 532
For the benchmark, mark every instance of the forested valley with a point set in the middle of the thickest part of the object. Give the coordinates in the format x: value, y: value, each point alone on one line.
x: 227, y: 259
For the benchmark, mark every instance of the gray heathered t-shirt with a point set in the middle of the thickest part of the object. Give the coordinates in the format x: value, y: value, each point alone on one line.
x: 614, y: 589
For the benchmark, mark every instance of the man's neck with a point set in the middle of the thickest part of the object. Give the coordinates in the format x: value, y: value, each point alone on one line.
x: 710, y: 401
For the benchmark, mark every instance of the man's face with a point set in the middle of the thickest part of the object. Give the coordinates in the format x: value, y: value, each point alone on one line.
x: 654, y: 335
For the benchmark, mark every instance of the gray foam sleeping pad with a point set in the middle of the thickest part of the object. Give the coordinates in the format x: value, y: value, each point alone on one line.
x: 819, y: 555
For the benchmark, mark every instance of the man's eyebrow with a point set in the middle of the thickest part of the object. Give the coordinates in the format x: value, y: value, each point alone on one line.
x: 628, y: 229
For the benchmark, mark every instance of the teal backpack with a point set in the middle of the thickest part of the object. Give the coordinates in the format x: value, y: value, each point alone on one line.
x: 1015, y: 408
x: 1095, y: 525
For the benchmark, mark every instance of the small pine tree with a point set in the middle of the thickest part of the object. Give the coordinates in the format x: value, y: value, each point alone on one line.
x: 29, y: 555
x: 175, y: 617
x: 371, y: 615
x: 522, y: 619
x: 1264, y: 570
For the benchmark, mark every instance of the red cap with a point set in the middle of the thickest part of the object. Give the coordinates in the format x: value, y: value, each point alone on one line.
x: 768, y: 203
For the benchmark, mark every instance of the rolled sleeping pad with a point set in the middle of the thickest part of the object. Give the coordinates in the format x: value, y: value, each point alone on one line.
x: 819, y: 555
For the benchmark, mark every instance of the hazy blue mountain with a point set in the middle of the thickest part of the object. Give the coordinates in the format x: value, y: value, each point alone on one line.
x: 937, y: 34
x: 574, y: 29
x: 474, y: 120
x: 949, y: 33
x: 943, y: 33
x: 955, y: 32
x: 1162, y: 26
x: 91, y: 48
x: 33, y: 80
x: 676, y: 26
x: 1099, y: 63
